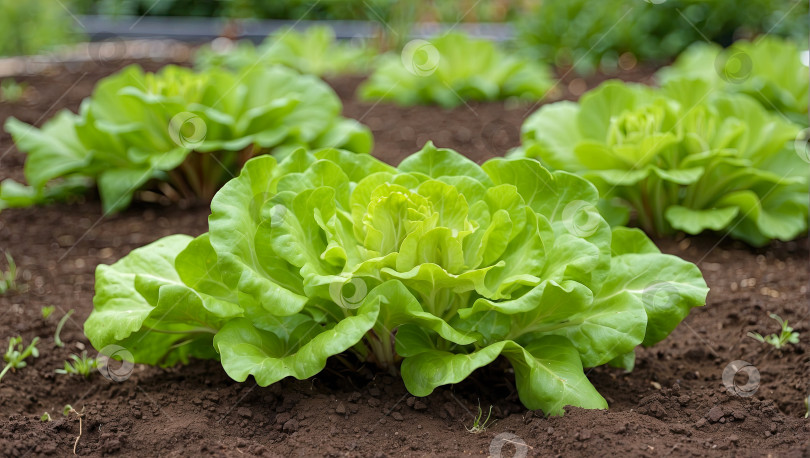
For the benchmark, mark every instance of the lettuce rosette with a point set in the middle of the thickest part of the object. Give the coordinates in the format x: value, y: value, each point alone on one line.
x: 187, y: 132
x: 685, y: 157
x: 769, y: 69
x: 452, y: 69
x: 314, y: 51
x: 433, y: 269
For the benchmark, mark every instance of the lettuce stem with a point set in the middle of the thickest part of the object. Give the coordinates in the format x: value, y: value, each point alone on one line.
x: 658, y: 197
x: 636, y: 199
x: 382, y: 350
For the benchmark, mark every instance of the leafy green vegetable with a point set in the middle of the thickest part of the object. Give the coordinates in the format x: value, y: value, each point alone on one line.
x: 768, y: 69
x: 439, y: 264
x: 189, y: 131
x: 314, y: 51
x: 16, y: 195
x: 452, y: 69
x: 683, y: 157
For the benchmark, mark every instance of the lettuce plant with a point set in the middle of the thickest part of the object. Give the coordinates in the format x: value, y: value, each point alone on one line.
x: 683, y: 157
x: 452, y: 69
x: 768, y: 69
x: 190, y: 132
x: 434, y: 268
x: 314, y: 51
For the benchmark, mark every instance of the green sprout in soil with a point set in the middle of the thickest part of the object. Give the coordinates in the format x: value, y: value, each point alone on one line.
x: 11, y: 91
x: 67, y: 411
x: 8, y: 279
x: 778, y: 341
x: 81, y: 365
x: 479, y: 426
x: 16, y: 355
x: 56, y: 339
x: 45, y: 417
x: 47, y: 311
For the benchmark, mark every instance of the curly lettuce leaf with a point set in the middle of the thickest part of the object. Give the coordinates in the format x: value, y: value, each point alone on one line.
x: 314, y: 51
x: 433, y: 268
x: 192, y: 130
x: 683, y: 157
x: 452, y: 69
x: 768, y: 69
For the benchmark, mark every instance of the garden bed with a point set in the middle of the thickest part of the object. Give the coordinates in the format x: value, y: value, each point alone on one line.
x: 674, y: 403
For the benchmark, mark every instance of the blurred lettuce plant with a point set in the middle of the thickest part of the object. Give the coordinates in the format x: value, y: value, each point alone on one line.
x: 452, y: 69
x: 314, y: 51
x: 769, y: 69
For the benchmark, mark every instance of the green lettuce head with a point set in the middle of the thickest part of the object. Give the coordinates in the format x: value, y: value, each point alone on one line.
x: 769, y: 69
x: 452, y: 69
x: 434, y: 268
x: 314, y: 51
x: 187, y: 132
x: 684, y: 157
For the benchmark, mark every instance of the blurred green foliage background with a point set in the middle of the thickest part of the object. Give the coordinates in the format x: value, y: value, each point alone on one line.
x: 585, y: 34
x: 33, y: 26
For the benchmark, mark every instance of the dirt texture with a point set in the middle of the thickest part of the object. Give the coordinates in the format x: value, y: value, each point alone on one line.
x: 674, y: 403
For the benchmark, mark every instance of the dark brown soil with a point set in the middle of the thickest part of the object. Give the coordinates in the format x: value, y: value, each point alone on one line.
x: 479, y: 130
x: 673, y: 404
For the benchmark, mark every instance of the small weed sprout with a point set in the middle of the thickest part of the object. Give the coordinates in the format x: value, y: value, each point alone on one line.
x: 479, y: 426
x: 47, y: 311
x: 16, y: 355
x: 67, y: 411
x: 56, y: 339
x: 45, y: 417
x: 785, y: 337
x: 8, y: 279
x: 81, y: 365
